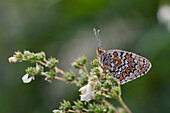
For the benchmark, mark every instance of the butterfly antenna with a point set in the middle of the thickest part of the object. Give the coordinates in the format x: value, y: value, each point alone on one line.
x: 97, y: 34
x: 100, y: 46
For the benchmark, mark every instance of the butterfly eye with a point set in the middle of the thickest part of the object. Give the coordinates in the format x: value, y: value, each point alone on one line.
x: 100, y: 52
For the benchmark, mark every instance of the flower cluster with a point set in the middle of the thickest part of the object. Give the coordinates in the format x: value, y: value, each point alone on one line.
x: 79, y: 107
x: 88, y: 91
x: 96, y: 86
x: 39, y: 60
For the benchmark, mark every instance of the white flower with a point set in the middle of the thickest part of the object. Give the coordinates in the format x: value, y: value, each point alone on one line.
x: 27, y: 52
x: 26, y: 79
x: 47, y: 79
x: 37, y: 67
x: 57, y: 111
x: 13, y: 59
x: 163, y: 15
x: 87, y: 91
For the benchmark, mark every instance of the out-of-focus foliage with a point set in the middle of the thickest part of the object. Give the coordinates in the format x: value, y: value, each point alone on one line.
x: 63, y: 28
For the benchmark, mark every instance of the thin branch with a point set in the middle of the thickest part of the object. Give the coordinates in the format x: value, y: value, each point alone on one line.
x: 85, y: 69
x: 119, y: 98
x: 85, y: 109
x: 120, y: 92
x: 72, y: 111
x: 60, y: 71
x: 75, y: 82
x: 56, y: 77
x: 109, y: 80
x: 42, y: 63
x: 59, y: 78
x: 62, y: 79
x: 124, y: 105
x: 45, y: 59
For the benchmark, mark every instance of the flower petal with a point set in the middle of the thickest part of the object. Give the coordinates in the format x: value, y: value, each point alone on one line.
x: 87, y: 92
x: 26, y: 79
x: 37, y: 67
x: 12, y: 59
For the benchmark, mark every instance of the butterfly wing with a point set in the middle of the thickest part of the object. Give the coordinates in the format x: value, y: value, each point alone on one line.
x: 124, y: 66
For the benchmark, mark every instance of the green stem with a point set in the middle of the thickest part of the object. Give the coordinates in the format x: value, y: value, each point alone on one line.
x: 120, y: 92
x: 85, y: 69
x: 72, y: 111
x: 64, y: 74
x: 109, y: 80
x: 56, y: 77
x: 59, y: 78
x: 85, y: 109
x: 107, y: 96
x: 120, y: 99
x: 60, y: 71
x: 42, y: 63
x: 75, y: 82
x: 124, y: 105
x: 62, y: 79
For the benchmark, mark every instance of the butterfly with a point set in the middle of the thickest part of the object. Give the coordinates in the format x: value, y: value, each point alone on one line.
x: 124, y: 66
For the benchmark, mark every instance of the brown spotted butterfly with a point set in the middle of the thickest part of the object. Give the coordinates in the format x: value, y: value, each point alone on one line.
x: 124, y: 66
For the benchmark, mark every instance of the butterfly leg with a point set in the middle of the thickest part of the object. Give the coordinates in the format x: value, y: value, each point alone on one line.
x: 106, y: 75
x: 105, y: 71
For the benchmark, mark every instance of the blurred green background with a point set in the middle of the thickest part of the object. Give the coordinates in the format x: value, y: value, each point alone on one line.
x: 63, y: 29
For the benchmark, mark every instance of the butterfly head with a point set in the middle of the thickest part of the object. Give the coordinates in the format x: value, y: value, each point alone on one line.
x: 99, y: 51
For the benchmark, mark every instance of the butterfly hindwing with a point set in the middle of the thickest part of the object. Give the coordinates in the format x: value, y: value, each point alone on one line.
x: 124, y: 66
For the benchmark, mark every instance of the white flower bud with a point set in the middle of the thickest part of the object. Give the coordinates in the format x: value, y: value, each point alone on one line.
x: 26, y: 79
x: 27, y: 52
x: 37, y: 67
x: 13, y: 59
x: 57, y: 111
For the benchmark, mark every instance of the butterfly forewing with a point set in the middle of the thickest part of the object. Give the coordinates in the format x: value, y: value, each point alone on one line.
x: 124, y: 66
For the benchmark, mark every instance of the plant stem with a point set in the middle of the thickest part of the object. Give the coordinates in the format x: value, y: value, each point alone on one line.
x: 107, y: 96
x: 45, y: 59
x: 56, y: 77
x: 60, y: 71
x: 120, y: 92
x: 110, y: 105
x: 123, y: 104
x: 57, y: 69
x: 62, y: 79
x: 75, y: 82
x: 42, y: 63
x: 118, y: 97
x: 72, y: 111
x: 85, y: 109
x: 108, y: 79
x: 85, y: 69
x: 64, y: 74
x: 59, y: 78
